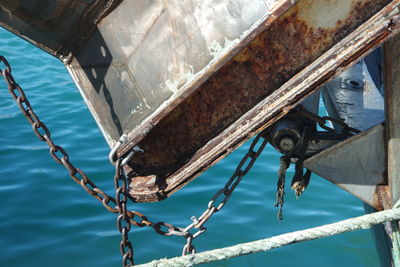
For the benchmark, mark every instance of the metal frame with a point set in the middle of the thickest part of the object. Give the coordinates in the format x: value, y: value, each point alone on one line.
x: 344, y: 53
x: 286, y: 53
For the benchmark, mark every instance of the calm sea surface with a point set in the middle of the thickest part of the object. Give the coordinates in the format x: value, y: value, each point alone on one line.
x: 48, y: 220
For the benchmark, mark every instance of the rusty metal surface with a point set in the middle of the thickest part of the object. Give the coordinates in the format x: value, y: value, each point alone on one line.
x: 58, y: 26
x: 178, y: 148
x: 392, y: 110
x: 383, y: 197
x: 203, y: 111
x: 147, y: 56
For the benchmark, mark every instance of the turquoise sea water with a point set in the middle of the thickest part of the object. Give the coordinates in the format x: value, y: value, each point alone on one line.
x: 48, y: 220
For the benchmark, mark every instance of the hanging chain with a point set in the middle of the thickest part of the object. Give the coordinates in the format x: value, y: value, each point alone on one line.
x: 222, y: 196
x: 123, y: 222
x: 61, y: 157
x: 56, y: 151
x: 217, y: 202
x: 119, y: 203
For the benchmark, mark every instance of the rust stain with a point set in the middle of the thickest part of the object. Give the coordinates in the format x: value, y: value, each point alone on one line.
x: 272, y: 58
x: 382, y: 197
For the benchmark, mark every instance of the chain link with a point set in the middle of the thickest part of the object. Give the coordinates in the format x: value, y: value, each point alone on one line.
x: 60, y: 155
x: 123, y: 221
x: 322, y: 121
x: 119, y: 203
x: 223, y: 194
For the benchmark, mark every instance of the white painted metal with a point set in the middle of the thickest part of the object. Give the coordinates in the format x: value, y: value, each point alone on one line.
x: 356, y: 164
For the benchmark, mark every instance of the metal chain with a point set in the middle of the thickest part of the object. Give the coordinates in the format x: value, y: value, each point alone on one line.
x: 216, y: 203
x: 60, y: 155
x: 123, y: 222
x: 56, y: 151
x: 223, y: 194
x: 119, y: 203
x: 322, y: 121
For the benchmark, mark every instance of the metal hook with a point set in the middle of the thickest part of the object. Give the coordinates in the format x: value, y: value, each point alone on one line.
x: 130, y: 155
x: 111, y: 155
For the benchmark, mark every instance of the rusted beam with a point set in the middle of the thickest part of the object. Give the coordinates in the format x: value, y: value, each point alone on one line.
x: 347, y: 43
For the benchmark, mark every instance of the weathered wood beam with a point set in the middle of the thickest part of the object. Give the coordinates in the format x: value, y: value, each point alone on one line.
x: 392, y: 101
x: 392, y: 127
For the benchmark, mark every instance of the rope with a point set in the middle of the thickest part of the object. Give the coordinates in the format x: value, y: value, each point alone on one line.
x: 396, y: 244
x: 357, y: 223
x: 397, y: 205
x: 396, y: 239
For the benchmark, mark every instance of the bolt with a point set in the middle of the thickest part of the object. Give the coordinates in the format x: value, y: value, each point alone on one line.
x: 286, y: 144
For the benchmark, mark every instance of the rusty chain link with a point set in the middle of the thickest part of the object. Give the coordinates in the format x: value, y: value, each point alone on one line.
x: 61, y: 156
x: 121, y: 197
x: 223, y: 194
x: 119, y: 203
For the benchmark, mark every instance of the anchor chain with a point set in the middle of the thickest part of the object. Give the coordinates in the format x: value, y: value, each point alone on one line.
x: 118, y: 204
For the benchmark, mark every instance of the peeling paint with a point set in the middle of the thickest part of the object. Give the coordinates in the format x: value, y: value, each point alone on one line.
x: 177, y: 83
